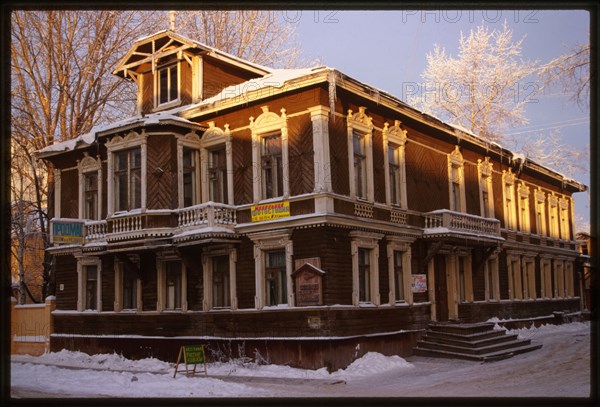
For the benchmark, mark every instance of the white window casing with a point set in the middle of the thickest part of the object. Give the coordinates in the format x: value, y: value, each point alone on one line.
x: 191, y: 141
x: 540, y: 211
x: 266, y: 241
x: 118, y: 143
x: 523, y: 204
x: 396, y: 136
x: 369, y: 241
x: 486, y: 190
x: 208, y: 266
x: 508, y: 199
x: 456, y: 179
x: 214, y: 137
x: 361, y: 125
x: 397, y: 245
x: 85, y: 166
x: 82, y: 263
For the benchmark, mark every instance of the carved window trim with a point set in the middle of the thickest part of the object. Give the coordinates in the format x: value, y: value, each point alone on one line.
x: 484, y: 175
x: 82, y: 264
x: 86, y: 166
x: 264, y: 242
x: 508, y: 199
x: 523, y: 205
x: 267, y: 124
x: 540, y: 212
x: 119, y: 143
x: 189, y: 141
x: 395, y: 245
x: 456, y: 177
x: 213, y: 138
x: 370, y: 242
x: 208, y: 254
x: 362, y: 125
x: 395, y: 136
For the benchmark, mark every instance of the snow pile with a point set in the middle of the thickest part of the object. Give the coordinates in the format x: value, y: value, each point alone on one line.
x: 549, y: 329
x: 371, y: 364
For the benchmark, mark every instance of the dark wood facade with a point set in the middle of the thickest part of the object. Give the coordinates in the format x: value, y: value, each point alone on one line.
x: 183, y: 263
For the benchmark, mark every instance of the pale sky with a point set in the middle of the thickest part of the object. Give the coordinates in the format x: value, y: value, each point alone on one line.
x: 387, y: 49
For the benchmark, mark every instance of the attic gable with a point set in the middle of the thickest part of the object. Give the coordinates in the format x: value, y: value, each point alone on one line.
x: 147, y: 51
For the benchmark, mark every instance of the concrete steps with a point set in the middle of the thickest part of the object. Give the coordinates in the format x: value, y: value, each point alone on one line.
x: 477, y: 342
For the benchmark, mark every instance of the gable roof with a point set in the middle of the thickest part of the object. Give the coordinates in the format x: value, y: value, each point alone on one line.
x: 166, y: 42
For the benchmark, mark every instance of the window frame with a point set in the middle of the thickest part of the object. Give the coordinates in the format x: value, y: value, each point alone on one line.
x: 396, y: 245
x: 213, y: 138
x: 540, y: 212
x: 523, y: 208
x: 279, y: 239
x: 90, y: 166
x: 485, y: 178
x: 361, y: 125
x: 190, y: 142
x: 162, y: 289
x: 267, y: 124
x: 370, y: 242
x: 167, y: 66
x: 82, y: 279
x: 208, y: 256
x: 114, y: 146
x: 456, y: 181
x: 553, y: 216
x: 508, y: 200
x: 120, y: 272
x: 395, y: 136
x: 563, y: 218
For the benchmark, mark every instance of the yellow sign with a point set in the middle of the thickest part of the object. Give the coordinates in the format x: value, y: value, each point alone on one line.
x: 270, y: 211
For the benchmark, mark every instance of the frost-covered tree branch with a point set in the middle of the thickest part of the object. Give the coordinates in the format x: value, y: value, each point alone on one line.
x: 484, y: 89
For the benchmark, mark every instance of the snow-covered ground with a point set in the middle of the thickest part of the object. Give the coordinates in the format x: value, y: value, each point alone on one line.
x: 561, y: 368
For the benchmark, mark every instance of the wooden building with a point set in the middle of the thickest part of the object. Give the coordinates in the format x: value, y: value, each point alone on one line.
x: 298, y: 216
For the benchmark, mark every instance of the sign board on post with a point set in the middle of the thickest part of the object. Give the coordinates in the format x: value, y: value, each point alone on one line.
x: 192, y: 355
x: 67, y: 232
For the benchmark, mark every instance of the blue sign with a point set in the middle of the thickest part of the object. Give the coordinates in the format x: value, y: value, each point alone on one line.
x: 67, y: 232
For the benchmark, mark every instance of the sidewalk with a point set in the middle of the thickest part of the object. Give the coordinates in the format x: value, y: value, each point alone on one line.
x: 200, y: 373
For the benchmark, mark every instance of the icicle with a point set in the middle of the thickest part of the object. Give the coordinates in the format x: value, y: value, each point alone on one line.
x: 332, y: 92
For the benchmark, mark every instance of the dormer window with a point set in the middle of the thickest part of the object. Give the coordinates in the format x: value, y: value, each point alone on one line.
x: 167, y: 86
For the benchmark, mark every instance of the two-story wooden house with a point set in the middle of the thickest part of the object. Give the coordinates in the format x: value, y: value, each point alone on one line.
x: 297, y: 214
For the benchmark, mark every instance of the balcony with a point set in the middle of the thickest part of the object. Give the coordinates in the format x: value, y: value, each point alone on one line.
x: 208, y: 217
x: 446, y: 222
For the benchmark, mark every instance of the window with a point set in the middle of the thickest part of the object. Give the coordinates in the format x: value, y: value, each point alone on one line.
x: 395, y: 138
x: 523, y: 192
x: 90, y: 194
x: 399, y: 276
x: 545, y: 278
x: 492, y: 283
x: 528, y: 276
x: 173, y: 299
x: 559, y: 279
x: 276, y: 277
x: 128, y: 179
x: 553, y: 216
x: 462, y: 278
x: 270, y: 155
x: 91, y: 288
x: 508, y: 196
x: 360, y: 165
x: 365, y: 271
x: 90, y: 176
x: 364, y: 275
x: 89, y: 285
x: 127, y: 172
x: 220, y: 285
x: 540, y: 212
x: 189, y: 176
x: 130, y: 283
x: 564, y: 219
x: 360, y: 154
x: 515, y: 280
x: 217, y: 175
x: 271, y: 161
x: 167, y: 85
x: 486, y: 192
x: 456, y: 181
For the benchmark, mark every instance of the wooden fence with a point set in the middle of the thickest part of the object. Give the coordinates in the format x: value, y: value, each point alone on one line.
x: 30, y: 327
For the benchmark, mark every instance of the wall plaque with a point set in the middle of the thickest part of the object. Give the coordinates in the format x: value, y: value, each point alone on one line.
x: 308, y: 281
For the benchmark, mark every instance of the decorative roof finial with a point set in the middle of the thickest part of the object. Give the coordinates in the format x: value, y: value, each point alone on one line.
x: 172, y: 20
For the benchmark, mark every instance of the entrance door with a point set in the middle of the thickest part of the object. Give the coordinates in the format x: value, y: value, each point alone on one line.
x: 441, y: 288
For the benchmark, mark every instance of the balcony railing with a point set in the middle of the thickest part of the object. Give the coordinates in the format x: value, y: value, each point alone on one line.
x: 95, y: 230
x: 209, y: 214
x: 462, y: 222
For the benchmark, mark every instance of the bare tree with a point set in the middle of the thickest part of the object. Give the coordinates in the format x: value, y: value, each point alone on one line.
x: 485, y: 89
x: 260, y: 36
x: 572, y: 73
x: 61, y: 87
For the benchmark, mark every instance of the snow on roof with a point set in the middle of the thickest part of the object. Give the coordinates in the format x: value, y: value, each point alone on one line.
x: 276, y: 79
x: 88, y: 138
